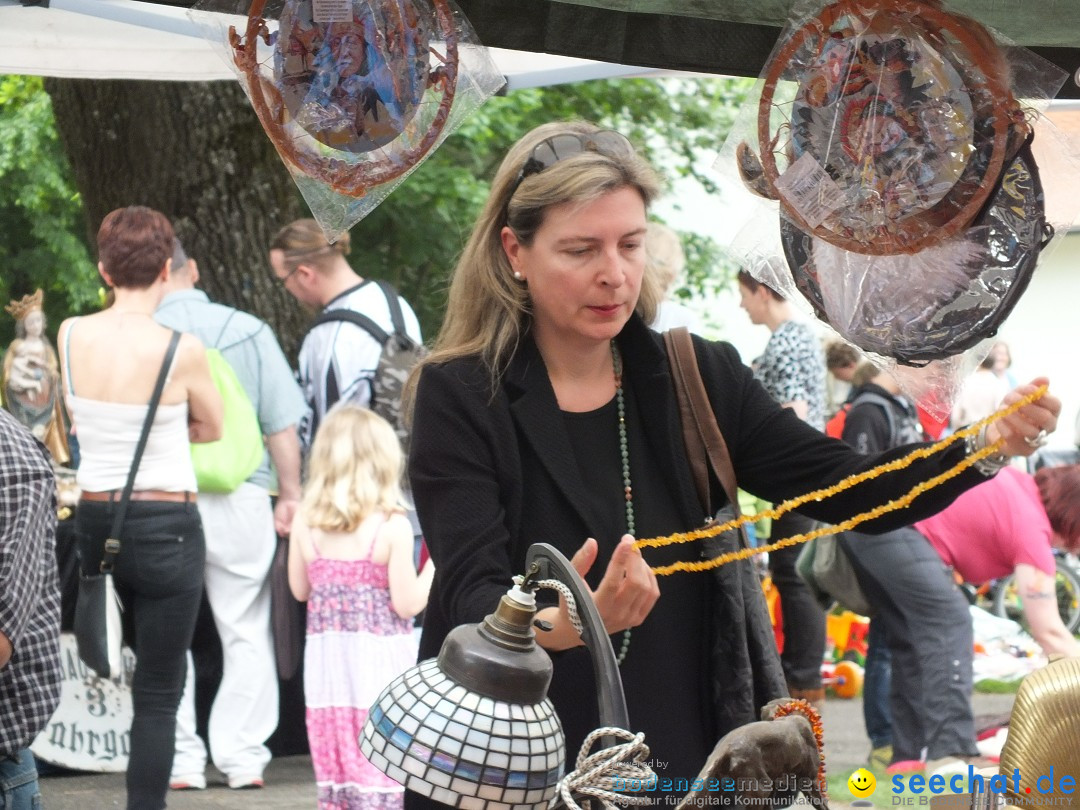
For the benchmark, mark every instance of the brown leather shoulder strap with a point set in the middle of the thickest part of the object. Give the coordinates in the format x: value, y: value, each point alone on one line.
x: 705, y: 443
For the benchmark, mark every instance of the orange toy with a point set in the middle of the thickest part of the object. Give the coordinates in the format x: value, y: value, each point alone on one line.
x: 772, y: 599
x: 847, y: 632
x: 845, y: 679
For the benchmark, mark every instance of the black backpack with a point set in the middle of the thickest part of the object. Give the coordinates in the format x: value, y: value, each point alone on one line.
x: 400, y: 353
x: 905, y: 430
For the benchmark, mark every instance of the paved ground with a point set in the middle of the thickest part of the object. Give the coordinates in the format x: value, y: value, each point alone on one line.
x: 289, y: 781
x: 289, y: 784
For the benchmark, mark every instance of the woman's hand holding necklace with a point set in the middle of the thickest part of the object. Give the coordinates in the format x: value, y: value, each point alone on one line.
x: 624, y: 597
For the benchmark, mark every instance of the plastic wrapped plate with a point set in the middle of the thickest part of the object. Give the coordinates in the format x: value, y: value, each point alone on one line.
x: 937, y: 302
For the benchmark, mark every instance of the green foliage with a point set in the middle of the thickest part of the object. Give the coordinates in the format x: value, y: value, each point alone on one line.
x: 42, y: 243
x: 415, y: 237
x: 992, y: 686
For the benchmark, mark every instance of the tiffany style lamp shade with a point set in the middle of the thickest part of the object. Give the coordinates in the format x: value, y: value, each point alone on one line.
x: 473, y: 728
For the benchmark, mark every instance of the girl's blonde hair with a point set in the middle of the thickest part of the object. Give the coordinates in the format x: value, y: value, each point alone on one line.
x: 354, y: 470
x: 487, y: 310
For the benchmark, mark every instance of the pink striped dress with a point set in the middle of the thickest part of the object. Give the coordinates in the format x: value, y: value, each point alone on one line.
x: 356, y: 644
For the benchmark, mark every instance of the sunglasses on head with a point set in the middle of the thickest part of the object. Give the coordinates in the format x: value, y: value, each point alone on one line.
x: 559, y: 147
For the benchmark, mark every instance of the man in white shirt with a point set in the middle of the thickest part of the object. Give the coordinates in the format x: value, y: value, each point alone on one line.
x: 338, y: 358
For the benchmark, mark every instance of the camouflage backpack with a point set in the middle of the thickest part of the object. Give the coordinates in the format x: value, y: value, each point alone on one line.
x: 400, y: 353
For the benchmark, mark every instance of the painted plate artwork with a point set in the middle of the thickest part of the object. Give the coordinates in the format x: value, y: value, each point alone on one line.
x: 890, y: 121
x: 354, y: 84
x: 884, y: 126
x: 937, y: 302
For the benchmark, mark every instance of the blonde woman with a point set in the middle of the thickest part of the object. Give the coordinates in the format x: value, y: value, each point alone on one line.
x: 516, y: 439
x: 665, y: 258
x: 351, y: 560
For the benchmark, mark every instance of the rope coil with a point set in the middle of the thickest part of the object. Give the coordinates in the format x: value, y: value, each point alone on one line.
x: 595, y: 774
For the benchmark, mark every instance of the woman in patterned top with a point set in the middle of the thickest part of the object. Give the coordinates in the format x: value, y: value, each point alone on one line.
x: 792, y: 370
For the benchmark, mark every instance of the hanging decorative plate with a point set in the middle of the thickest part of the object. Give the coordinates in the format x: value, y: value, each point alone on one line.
x: 353, y: 84
x: 940, y: 301
x: 898, y: 129
x: 363, y: 78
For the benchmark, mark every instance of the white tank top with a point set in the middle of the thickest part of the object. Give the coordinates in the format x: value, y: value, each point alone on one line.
x: 108, y: 432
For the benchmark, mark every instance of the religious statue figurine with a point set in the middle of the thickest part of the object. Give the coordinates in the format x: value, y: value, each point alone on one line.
x: 31, y: 377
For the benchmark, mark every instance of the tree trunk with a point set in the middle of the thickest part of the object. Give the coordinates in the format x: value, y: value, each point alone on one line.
x: 195, y: 152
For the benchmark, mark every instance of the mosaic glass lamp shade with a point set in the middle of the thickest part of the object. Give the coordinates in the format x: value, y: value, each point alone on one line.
x: 473, y: 728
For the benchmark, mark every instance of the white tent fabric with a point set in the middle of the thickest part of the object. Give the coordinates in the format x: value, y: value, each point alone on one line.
x: 120, y: 39
x: 59, y: 42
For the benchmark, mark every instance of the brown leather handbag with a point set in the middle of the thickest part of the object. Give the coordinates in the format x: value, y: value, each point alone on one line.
x: 744, y: 663
x: 705, y: 445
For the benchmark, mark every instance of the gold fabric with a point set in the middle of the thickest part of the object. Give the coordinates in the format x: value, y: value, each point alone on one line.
x: 1044, y: 732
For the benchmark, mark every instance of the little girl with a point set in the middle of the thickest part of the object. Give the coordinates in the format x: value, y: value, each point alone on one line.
x: 351, y: 559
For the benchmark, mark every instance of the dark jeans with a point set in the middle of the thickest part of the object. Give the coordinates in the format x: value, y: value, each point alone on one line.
x: 928, y: 626
x: 159, y: 577
x: 804, y: 620
x: 877, y: 683
x: 19, y: 782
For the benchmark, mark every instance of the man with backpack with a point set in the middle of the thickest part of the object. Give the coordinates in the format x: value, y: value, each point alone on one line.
x: 892, y: 421
x: 363, y: 344
x: 366, y: 339
x: 261, y: 399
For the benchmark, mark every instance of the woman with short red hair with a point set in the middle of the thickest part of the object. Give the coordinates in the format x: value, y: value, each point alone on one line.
x: 110, y: 363
x: 1059, y: 489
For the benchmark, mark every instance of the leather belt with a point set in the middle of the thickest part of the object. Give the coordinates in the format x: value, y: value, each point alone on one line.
x: 113, y: 496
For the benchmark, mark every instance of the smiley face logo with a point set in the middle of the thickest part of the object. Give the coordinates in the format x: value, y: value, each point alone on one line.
x: 862, y: 783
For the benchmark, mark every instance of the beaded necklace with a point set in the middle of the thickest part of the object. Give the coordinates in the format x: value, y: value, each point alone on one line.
x: 624, y: 454
x: 975, y: 455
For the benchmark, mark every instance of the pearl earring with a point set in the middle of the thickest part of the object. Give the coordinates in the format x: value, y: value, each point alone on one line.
x: 518, y: 276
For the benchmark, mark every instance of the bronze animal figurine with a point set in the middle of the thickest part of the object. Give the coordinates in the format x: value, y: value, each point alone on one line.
x: 774, y: 758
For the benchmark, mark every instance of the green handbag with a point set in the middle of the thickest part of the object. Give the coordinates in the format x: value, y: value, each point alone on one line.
x: 830, y: 576
x: 224, y: 465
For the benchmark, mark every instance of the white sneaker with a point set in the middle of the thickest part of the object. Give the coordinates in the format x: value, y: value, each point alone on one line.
x: 949, y: 766
x: 247, y: 781
x: 946, y: 766
x: 190, y: 781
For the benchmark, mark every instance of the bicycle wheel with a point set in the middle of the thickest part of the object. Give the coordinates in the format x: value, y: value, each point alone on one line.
x: 1008, y: 604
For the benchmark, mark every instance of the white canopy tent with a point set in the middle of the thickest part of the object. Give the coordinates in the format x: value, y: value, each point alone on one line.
x: 120, y: 39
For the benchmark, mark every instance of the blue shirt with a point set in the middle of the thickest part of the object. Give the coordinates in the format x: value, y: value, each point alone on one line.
x: 249, y: 345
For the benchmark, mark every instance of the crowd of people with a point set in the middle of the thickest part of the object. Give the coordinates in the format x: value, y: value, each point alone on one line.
x: 545, y: 410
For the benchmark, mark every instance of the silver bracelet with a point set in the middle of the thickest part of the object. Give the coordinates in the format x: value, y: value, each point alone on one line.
x: 989, y: 465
